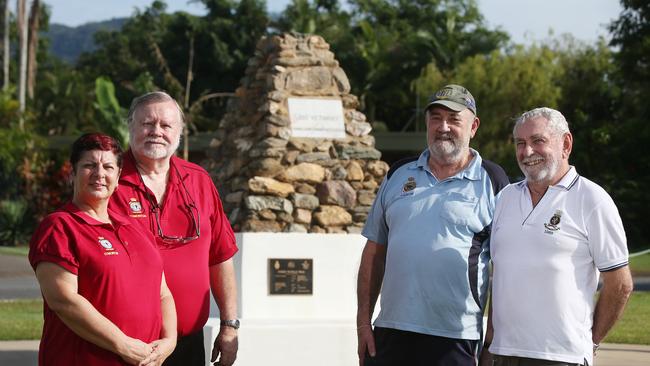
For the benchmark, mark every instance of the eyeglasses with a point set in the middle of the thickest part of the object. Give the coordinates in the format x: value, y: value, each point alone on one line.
x: 170, y: 240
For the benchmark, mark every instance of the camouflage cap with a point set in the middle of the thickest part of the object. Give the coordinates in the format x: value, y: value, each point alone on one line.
x: 454, y: 97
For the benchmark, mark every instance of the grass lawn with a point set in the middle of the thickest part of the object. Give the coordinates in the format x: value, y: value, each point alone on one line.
x: 640, y: 265
x: 21, y: 319
x: 19, y: 250
x: 633, y: 326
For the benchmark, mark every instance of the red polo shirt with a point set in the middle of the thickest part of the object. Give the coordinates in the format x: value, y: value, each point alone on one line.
x: 118, y: 271
x: 186, y: 265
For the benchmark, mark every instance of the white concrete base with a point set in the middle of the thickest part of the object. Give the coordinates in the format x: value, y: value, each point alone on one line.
x: 317, y: 329
x: 291, y: 342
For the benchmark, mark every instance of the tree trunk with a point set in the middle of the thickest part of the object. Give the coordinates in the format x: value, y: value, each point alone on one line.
x: 186, y: 104
x: 22, y: 33
x: 34, y: 16
x: 7, y: 50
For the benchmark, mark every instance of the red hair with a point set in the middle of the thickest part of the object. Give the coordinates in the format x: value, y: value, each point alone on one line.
x: 95, y: 141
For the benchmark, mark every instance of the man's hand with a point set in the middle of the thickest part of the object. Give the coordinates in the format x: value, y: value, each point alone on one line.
x: 486, y: 357
x: 366, y: 342
x: 225, y: 345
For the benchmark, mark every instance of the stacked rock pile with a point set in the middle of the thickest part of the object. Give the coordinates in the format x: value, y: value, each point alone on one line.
x: 271, y: 181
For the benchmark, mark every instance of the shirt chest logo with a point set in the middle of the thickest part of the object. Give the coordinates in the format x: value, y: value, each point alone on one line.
x: 552, y: 225
x: 135, y: 208
x: 409, y: 186
x: 109, y: 249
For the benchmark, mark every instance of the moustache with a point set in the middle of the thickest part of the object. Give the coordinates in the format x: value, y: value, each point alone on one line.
x: 444, y: 137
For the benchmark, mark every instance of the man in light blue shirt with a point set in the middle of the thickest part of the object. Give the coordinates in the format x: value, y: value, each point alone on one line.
x: 427, y: 248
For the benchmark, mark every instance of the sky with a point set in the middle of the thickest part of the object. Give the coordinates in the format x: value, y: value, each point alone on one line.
x: 525, y: 20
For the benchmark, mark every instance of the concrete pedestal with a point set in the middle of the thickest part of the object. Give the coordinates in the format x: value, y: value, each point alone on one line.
x: 316, y: 329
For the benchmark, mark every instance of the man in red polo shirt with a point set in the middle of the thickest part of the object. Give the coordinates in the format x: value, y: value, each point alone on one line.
x: 178, y: 202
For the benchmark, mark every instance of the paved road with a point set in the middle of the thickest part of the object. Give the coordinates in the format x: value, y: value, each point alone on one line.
x: 641, y: 283
x: 17, y: 279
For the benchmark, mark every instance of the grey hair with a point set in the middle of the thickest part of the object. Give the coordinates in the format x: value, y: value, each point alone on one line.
x: 556, y: 120
x: 153, y: 97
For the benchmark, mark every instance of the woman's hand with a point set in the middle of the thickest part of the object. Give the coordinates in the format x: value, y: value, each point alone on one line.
x: 135, y: 351
x: 162, y: 348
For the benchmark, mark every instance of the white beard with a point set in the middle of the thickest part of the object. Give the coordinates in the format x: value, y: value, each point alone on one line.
x: 156, y: 152
x: 449, y: 151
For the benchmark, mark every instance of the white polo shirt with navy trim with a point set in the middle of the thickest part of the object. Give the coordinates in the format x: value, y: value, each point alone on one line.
x: 547, y: 261
x: 430, y: 227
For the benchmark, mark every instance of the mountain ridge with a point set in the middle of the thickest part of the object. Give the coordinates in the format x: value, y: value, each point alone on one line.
x: 67, y: 42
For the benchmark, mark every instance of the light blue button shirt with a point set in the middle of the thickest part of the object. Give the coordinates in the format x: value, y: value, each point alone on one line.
x: 429, y: 226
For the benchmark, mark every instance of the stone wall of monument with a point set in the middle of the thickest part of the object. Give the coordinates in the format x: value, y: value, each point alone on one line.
x: 270, y: 181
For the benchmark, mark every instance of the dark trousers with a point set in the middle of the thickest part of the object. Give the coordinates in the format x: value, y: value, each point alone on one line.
x: 397, y: 347
x: 189, y: 351
x: 523, y: 361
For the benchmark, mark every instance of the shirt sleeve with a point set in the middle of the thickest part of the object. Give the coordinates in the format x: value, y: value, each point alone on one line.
x: 607, y: 240
x: 223, y: 245
x: 376, y: 228
x: 52, y: 242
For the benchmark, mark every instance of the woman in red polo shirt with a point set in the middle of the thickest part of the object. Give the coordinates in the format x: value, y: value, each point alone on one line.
x: 106, y: 300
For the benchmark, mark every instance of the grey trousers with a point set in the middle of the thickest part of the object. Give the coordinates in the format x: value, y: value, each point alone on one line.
x: 522, y: 361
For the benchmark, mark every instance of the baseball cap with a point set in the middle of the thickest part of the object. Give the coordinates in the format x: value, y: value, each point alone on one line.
x: 454, y: 97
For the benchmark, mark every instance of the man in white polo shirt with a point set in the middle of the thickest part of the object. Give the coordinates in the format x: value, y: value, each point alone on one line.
x: 552, y: 235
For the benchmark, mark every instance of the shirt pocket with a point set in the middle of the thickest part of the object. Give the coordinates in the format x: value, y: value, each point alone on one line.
x: 460, y: 209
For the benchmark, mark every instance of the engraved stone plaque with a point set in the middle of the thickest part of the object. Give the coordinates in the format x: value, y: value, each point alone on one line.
x: 293, y: 276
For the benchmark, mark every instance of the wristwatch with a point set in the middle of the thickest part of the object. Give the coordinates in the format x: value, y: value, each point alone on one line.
x: 233, y: 323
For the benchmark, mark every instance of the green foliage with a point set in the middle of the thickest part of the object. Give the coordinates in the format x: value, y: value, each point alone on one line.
x: 10, y: 135
x: 631, y: 32
x: 157, y: 44
x: 113, y: 116
x: 64, y: 101
x: 630, y: 161
x: 588, y: 102
x: 12, y: 214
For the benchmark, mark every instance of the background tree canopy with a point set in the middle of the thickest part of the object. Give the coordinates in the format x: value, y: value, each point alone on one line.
x: 395, y: 53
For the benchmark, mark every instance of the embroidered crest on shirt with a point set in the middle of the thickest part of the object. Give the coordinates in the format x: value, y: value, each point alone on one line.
x: 107, y: 245
x: 135, y: 208
x: 409, y: 186
x: 553, y: 223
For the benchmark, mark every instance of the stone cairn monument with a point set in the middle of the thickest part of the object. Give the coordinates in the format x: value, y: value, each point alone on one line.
x: 272, y: 181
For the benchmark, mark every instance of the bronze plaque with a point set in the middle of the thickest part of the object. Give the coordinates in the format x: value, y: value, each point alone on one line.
x: 291, y: 276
